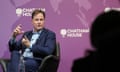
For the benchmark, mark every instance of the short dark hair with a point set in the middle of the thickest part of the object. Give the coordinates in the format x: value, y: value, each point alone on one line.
x: 35, y: 12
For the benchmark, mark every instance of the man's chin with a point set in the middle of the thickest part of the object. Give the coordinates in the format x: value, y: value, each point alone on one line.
x: 39, y: 28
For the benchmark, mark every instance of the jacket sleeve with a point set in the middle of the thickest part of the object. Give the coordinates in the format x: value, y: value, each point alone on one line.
x: 14, y: 45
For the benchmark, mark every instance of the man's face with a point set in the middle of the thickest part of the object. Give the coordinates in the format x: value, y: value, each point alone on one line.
x: 38, y: 21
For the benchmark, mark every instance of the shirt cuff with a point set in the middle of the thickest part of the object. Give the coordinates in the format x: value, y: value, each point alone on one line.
x: 30, y: 48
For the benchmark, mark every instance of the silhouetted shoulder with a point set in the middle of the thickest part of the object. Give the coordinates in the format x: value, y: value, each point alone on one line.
x: 85, y: 64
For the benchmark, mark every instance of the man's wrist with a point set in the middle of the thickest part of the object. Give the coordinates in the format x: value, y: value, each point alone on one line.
x: 29, y: 46
x: 12, y: 40
x: 14, y: 36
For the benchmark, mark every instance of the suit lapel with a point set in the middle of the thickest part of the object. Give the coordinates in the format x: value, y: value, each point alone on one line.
x: 43, y: 33
x: 29, y: 35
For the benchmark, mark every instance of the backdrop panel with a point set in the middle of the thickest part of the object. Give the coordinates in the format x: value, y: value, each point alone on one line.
x: 69, y: 19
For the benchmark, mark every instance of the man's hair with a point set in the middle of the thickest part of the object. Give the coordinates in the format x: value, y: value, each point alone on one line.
x: 35, y: 12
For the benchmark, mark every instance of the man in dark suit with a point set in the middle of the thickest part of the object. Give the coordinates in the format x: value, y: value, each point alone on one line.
x: 34, y: 44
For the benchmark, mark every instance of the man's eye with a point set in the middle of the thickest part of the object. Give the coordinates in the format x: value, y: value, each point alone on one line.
x: 41, y: 19
x: 36, y: 19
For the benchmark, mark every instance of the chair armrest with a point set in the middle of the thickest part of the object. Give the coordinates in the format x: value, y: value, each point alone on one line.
x: 3, y: 63
x: 50, y: 62
x: 49, y: 57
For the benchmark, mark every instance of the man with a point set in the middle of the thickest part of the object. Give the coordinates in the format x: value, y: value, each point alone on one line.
x: 34, y: 44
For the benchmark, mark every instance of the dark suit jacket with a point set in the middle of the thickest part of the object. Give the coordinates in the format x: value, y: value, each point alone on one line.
x: 44, y: 46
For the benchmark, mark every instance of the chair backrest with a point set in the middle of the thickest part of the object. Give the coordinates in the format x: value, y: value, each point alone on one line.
x: 4, y: 63
x: 57, y: 50
x: 51, y: 62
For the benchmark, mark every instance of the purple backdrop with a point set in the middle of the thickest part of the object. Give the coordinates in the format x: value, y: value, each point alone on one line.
x: 69, y: 19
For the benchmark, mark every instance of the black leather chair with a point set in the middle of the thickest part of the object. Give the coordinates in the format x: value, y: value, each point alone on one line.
x: 4, y: 63
x: 49, y: 64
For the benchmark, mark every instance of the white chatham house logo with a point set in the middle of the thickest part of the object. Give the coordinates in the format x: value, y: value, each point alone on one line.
x: 26, y: 11
x: 63, y: 32
x: 73, y: 33
x: 19, y: 11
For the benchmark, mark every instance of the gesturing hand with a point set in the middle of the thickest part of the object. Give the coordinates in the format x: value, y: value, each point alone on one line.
x: 26, y: 42
x: 17, y: 31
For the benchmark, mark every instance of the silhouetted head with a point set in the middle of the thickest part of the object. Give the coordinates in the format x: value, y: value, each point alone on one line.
x: 105, y: 30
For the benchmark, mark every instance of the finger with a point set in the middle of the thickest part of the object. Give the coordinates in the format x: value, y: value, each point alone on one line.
x: 17, y: 30
x: 23, y: 40
x: 22, y: 32
x: 25, y: 37
x: 19, y: 25
x: 20, y: 28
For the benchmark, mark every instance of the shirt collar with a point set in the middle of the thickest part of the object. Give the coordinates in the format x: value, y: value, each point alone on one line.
x: 37, y: 32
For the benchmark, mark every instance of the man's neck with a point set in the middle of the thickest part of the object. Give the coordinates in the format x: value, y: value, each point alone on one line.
x: 37, y: 31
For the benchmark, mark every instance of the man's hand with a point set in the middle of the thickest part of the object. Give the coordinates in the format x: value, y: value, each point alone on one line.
x: 17, y: 31
x: 26, y: 42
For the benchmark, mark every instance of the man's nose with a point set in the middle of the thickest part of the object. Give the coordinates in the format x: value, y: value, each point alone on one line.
x: 39, y: 21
